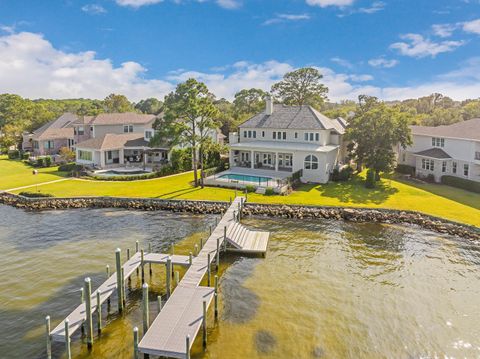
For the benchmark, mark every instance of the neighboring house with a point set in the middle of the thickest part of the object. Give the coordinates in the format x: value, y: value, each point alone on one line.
x: 452, y: 150
x: 113, y: 139
x: 48, y: 139
x: 285, y: 139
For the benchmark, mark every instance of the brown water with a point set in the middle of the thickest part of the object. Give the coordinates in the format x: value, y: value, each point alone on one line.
x: 325, y: 290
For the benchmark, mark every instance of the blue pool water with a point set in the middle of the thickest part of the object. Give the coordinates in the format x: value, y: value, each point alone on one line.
x: 246, y: 178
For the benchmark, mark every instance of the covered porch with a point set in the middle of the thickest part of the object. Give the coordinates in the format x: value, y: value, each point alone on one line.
x: 264, y: 160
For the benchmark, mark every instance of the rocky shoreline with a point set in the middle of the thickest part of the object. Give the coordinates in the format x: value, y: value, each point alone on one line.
x: 250, y: 209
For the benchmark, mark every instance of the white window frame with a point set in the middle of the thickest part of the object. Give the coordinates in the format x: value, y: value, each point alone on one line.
x: 310, y: 162
x: 466, y: 169
x: 127, y: 128
x: 454, y: 167
x: 444, y: 166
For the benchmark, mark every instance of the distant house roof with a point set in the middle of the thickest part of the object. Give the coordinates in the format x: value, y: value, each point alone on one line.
x: 434, y: 153
x: 112, y: 141
x: 469, y: 130
x: 56, y: 129
x: 122, y: 118
x: 84, y: 120
x: 294, y: 117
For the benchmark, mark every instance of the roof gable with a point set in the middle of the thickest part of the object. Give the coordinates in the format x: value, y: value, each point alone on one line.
x: 469, y: 130
x: 122, y: 118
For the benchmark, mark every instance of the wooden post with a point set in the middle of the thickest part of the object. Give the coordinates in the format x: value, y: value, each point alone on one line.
x: 190, y: 258
x: 150, y: 264
x: 216, y: 221
x: 124, y: 298
x: 208, y: 269
x: 210, y: 227
x: 49, y: 338
x: 234, y: 216
x: 99, y: 311
x: 88, y: 311
x: 218, y: 254
x: 177, y: 278
x: 201, y: 243
x: 67, y: 339
x: 108, y: 276
x: 136, y: 247
x: 196, y: 250
x: 187, y: 347
x: 119, y: 280
x: 82, y: 295
x: 142, y: 263
x: 159, y: 303
x: 145, y: 308
x: 204, y: 324
x: 216, y: 305
x: 173, y: 249
x: 239, y: 211
x: 128, y: 254
x: 135, y: 343
x: 225, y: 238
x: 230, y: 200
x: 169, y: 276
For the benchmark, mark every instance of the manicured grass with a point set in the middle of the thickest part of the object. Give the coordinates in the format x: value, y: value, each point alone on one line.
x: 15, y: 174
x: 438, y: 200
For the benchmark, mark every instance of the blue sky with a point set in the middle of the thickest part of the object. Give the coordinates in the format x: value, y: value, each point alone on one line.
x: 393, y: 49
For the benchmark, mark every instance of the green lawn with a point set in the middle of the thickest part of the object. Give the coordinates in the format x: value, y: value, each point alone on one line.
x: 15, y: 174
x: 438, y: 200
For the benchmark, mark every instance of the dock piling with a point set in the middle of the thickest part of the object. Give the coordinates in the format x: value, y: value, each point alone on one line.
x: 124, y: 289
x: 48, y: 337
x: 177, y: 278
x: 150, y: 264
x: 135, y: 343
x: 119, y: 280
x: 169, y: 276
x: 88, y: 311
x: 187, y: 347
x: 225, y: 238
x: 128, y: 254
x: 208, y: 269
x: 216, y: 305
x: 201, y: 243
x: 142, y: 264
x: 159, y: 303
x: 145, y: 308
x: 67, y: 339
x: 136, y: 247
x: 204, y: 324
x: 107, y: 268
x: 190, y: 258
x: 217, y: 264
x: 196, y: 250
x: 99, y: 311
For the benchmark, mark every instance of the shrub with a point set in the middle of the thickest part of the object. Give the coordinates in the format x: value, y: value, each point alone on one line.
x: 269, y: 191
x: 69, y: 167
x: 40, y: 162
x: 342, y: 174
x: 35, y: 194
x: 13, y: 155
x: 370, y: 181
x: 405, y: 169
x: 462, y: 183
x: 48, y: 161
x: 25, y: 156
x: 430, y: 178
x: 250, y: 188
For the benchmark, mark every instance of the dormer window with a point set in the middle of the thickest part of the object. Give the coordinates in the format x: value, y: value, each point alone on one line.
x: 80, y: 130
x: 127, y: 128
x: 438, y: 142
x: 148, y: 135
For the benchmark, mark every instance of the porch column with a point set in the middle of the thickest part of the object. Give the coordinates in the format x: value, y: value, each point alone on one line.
x: 231, y: 158
x: 252, y: 159
x: 121, y: 159
x: 102, y: 159
x: 276, y: 161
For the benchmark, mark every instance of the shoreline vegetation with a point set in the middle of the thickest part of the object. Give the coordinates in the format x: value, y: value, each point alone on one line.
x: 391, y: 193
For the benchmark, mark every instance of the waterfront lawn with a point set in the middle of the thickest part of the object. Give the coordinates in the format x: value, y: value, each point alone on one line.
x: 15, y: 173
x: 434, y: 199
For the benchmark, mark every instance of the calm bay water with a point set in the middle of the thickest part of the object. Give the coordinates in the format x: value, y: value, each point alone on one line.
x: 325, y: 290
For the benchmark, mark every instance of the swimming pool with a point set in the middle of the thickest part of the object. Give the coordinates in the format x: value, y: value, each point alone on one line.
x: 246, y: 178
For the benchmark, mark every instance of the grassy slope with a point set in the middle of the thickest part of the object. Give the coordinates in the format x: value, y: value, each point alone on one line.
x: 17, y: 174
x: 438, y: 200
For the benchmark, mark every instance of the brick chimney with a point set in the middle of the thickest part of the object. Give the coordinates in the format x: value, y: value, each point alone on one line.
x: 269, y: 105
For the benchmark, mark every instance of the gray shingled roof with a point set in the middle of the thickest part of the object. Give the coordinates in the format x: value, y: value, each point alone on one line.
x: 293, y: 117
x: 469, y: 130
x: 434, y: 153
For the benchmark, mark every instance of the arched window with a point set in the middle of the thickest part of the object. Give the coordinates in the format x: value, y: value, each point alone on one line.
x: 311, y: 162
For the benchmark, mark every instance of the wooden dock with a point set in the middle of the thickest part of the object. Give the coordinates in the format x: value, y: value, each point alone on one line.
x: 175, y: 328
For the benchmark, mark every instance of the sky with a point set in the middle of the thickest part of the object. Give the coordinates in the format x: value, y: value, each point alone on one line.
x: 392, y: 49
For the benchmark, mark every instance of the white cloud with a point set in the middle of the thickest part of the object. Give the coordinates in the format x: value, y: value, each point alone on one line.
x: 444, y: 30
x: 227, y: 4
x: 472, y: 26
x: 93, y: 9
x: 279, y: 18
x: 383, y: 62
x: 375, y: 7
x: 418, y: 46
x: 32, y: 67
x: 342, y: 62
x: 325, y: 3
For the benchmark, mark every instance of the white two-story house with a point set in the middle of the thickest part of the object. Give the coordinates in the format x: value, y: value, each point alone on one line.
x: 284, y: 139
x: 452, y: 150
x: 117, y: 139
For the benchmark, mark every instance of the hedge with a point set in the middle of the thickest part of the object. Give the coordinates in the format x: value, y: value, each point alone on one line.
x: 462, y: 183
x: 35, y: 194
